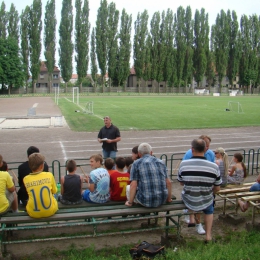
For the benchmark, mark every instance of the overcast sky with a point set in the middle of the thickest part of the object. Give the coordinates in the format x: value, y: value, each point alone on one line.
x: 247, y: 7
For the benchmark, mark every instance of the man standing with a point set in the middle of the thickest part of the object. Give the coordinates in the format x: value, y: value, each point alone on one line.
x: 150, y: 185
x: 200, y: 179
x: 210, y: 156
x: 109, y: 135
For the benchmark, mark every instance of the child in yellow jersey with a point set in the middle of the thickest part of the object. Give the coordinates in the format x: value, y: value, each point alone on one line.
x: 40, y: 187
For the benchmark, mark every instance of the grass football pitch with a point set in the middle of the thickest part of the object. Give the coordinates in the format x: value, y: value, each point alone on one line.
x: 161, y: 112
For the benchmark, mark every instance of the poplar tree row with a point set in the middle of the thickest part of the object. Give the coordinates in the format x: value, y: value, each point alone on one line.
x: 174, y: 48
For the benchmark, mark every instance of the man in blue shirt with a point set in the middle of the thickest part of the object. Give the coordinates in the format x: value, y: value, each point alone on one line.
x: 150, y: 185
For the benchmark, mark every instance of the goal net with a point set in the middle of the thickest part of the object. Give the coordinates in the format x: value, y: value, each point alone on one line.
x: 89, y: 108
x: 235, y: 107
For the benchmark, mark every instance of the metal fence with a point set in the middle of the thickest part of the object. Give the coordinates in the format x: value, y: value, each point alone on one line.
x: 251, y: 160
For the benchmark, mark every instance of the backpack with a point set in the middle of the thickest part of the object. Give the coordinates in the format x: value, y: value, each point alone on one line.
x: 147, y: 250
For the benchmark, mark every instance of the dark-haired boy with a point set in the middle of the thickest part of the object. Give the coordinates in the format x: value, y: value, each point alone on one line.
x: 118, y: 181
x: 24, y: 170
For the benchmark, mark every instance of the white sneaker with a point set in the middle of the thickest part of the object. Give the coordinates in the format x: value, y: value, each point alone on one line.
x: 186, y: 217
x: 200, y: 229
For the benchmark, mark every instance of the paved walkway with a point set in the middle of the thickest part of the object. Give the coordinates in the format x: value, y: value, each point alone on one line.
x: 30, y: 112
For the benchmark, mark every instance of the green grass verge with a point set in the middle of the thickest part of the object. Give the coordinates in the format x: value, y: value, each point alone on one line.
x: 233, y: 246
x: 161, y: 112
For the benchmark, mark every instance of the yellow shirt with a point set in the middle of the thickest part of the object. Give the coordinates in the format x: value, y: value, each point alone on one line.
x: 5, y: 183
x: 40, y: 188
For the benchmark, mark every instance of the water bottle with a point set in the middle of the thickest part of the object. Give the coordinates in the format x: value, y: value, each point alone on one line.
x: 56, y: 195
x: 58, y: 188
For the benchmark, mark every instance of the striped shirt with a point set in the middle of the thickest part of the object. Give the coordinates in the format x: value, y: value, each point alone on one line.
x: 198, y: 176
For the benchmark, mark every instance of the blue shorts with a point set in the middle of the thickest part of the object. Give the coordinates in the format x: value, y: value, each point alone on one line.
x: 255, y: 187
x: 209, y: 210
x: 85, y: 196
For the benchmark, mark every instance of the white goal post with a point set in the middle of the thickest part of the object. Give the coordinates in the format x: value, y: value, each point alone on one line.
x: 89, y: 108
x: 235, y: 107
x: 57, y: 93
x: 75, y: 97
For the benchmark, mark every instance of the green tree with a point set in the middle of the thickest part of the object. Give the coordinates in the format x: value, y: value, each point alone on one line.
x: 82, y: 27
x: 169, y: 66
x: 155, y: 51
x: 201, y: 44
x: 244, y: 71
x: 66, y: 45
x: 162, y: 49
x: 234, y: 52
x: 13, y: 23
x: 11, y: 71
x: 93, y: 58
x: 221, y: 44
x: 188, y: 64
x: 254, y: 51
x: 35, y: 39
x: 124, y: 52
x: 140, y: 36
x: 3, y: 21
x: 180, y: 43
x: 24, y: 32
x: 147, y: 74
x: 112, y: 42
x: 50, y: 39
x: 102, y: 38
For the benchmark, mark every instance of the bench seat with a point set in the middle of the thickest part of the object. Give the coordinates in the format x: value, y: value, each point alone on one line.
x: 94, y: 216
x: 254, y: 200
x: 232, y: 193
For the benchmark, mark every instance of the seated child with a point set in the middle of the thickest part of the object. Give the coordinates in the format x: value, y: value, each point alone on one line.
x: 119, y: 180
x: 99, y: 181
x: 135, y: 154
x: 71, y: 185
x: 40, y: 187
x: 128, y: 162
x: 255, y: 187
x: 237, y: 174
x: 4, y: 168
x: 8, y: 197
x: 110, y: 165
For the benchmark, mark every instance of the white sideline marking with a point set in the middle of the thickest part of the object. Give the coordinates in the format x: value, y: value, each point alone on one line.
x: 68, y: 99
x: 63, y: 151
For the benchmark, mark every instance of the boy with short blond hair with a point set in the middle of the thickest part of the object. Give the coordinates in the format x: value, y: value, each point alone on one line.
x: 40, y: 187
x: 99, y: 181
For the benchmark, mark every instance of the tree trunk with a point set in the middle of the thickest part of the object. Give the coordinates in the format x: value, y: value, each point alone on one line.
x: 50, y: 86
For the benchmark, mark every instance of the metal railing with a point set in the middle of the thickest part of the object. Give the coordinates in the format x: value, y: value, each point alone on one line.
x: 251, y: 160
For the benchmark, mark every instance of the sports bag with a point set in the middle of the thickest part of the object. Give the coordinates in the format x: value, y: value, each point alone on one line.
x: 146, y: 250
